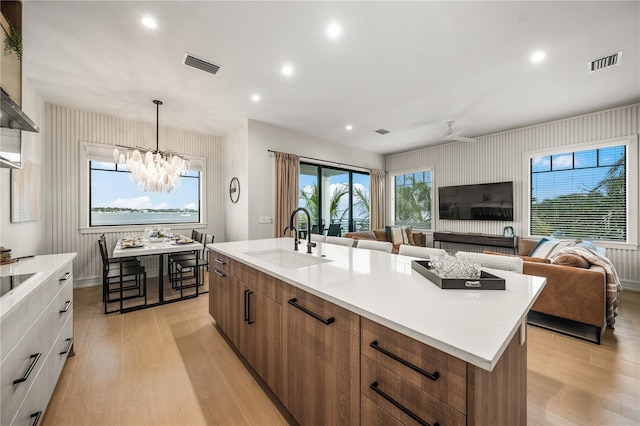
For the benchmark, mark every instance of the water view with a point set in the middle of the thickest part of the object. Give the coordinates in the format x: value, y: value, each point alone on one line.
x: 142, y: 217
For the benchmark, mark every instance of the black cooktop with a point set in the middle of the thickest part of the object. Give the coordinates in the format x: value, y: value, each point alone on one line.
x: 10, y: 282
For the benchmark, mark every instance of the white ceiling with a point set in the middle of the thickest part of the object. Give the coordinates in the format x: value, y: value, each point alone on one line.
x: 403, y: 66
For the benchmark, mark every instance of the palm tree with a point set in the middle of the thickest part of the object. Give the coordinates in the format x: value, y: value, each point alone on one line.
x: 361, y: 203
x: 310, y: 198
x: 413, y: 200
x: 309, y: 195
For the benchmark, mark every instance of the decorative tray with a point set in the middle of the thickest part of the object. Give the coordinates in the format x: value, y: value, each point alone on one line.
x: 180, y: 242
x: 127, y: 245
x: 486, y: 281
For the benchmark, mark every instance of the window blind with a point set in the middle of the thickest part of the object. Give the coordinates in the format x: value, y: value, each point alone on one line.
x: 580, y: 194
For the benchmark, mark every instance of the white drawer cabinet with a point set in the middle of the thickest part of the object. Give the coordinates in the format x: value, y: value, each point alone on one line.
x: 38, y: 322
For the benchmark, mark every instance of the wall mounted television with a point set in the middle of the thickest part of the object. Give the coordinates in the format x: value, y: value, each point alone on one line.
x: 487, y: 201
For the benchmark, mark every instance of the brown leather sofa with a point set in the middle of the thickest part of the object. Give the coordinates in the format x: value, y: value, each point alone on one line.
x: 574, y: 299
x: 381, y: 235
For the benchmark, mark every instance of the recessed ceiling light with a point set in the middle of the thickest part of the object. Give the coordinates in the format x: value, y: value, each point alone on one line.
x: 149, y: 22
x: 334, y: 30
x: 287, y: 69
x: 255, y: 98
x: 538, y: 57
x: 349, y: 127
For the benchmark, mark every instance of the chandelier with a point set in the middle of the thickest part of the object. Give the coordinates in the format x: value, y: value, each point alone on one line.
x: 154, y: 171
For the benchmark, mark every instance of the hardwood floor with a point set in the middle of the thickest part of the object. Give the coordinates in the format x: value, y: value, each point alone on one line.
x: 168, y: 365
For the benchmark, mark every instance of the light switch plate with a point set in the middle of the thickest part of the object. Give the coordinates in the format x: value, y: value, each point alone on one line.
x: 265, y: 219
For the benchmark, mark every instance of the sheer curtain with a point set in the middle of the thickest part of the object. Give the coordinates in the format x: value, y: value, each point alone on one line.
x: 377, y: 203
x: 287, y: 175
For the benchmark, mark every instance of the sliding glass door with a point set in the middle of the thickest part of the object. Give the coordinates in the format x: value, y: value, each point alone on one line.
x: 337, y: 199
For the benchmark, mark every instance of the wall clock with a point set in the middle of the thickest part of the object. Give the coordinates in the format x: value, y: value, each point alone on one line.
x: 234, y: 190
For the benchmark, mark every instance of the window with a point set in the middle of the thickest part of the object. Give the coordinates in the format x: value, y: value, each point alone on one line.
x: 116, y: 200
x: 334, y: 196
x: 412, y: 199
x: 583, y: 193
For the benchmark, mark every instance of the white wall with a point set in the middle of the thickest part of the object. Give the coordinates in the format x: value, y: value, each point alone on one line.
x: 236, y: 164
x: 264, y: 137
x: 500, y: 157
x: 25, y: 238
x: 66, y: 128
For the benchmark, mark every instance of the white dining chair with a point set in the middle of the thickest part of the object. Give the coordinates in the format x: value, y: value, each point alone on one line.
x: 375, y: 245
x: 340, y: 241
x: 506, y: 263
x: 318, y: 238
x: 421, y: 252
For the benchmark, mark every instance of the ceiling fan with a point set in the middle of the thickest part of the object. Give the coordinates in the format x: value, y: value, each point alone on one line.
x: 451, y: 135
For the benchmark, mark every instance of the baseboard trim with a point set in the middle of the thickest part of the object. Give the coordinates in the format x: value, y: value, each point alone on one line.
x: 587, y: 332
x: 95, y: 281
x: 631, y: 285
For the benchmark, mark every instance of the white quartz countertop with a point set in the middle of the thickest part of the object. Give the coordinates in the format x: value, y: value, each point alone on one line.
x: 473, y: 325
x: 41, y: 266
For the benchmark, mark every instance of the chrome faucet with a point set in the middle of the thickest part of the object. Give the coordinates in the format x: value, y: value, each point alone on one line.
x: 293, y: 228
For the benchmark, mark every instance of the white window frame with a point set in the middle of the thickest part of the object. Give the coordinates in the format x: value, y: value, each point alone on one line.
x: 631, y: 143
x: 104, y: 153
x: 391, y: 190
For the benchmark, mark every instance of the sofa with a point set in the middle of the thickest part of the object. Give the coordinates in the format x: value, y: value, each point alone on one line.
x: 574, y: 299
x: 386, y: 234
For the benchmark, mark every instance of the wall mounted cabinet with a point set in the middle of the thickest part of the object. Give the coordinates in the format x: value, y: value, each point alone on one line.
x: 10, y: 64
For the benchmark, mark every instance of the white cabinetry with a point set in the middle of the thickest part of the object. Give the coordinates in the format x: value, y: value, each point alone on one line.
x: 37, y: 336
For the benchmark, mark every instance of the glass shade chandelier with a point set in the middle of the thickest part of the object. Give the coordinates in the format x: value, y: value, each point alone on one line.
x: 154, y: 171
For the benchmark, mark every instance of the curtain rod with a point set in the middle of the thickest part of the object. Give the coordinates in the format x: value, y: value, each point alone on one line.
x: 328, y: 162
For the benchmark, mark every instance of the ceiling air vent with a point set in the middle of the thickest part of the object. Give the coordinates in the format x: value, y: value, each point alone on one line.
x: 604, y: 62
x: 201, y: 64
x: 382, y: 131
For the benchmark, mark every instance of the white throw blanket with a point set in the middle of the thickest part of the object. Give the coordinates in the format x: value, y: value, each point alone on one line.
x: 613, y: 281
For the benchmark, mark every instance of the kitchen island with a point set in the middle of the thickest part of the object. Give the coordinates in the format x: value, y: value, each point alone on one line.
x: 346, y: 335
x: 36, y: 333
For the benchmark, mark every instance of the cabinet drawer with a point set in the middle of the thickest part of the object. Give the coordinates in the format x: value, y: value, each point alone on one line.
x: 17, y: 321
x: 373, y: 414
x: 34, y: 404
x: 60, y: 351
x: 259, y: 281
x: 400, y: 354
x: 23, y: 362
x: 58, y: 312
x: 403, y: 400
x: 219, y: 261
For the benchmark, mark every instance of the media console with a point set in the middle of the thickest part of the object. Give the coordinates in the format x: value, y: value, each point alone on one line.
x: 476, y: 239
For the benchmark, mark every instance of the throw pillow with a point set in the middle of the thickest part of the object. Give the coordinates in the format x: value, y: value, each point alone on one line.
x: 409, y: 231
x: 395, y: 235
x: 568, y: 259
x: 545, y: 249
x: 419, y: 239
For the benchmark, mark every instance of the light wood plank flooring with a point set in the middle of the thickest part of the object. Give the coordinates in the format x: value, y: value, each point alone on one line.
x: 168, y: 365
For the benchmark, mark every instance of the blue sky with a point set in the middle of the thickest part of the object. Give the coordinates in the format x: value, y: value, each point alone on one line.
x: 571, y: 174
x: 111, y: 189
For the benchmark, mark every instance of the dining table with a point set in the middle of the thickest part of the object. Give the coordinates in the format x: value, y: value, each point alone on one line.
x: 158, y: 248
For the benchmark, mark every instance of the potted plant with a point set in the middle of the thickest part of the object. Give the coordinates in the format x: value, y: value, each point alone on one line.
x: 13, y: 43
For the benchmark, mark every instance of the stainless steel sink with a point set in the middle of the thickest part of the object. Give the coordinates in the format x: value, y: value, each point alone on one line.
x: 287, y: 259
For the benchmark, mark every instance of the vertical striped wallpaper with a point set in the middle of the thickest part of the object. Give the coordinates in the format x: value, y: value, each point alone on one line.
x: 500, y: 157
x: 65, y: 129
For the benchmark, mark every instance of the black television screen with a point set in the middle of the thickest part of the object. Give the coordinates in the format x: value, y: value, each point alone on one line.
x: 487, y: 201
